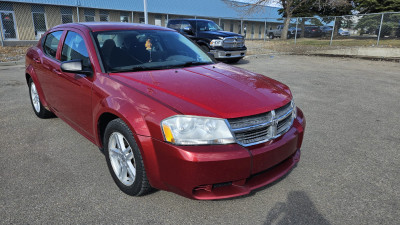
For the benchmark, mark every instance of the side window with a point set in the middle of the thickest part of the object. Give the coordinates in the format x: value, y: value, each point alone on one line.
x: 174, y: 25
x: 51, y: 43
x: 183, y: 25
x: 74, y: 48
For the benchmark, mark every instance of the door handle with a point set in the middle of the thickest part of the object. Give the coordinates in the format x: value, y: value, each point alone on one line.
x: 36, y: 60
x: 56, y: 72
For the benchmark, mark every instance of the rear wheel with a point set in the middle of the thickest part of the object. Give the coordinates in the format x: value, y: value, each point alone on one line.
x: 124, y: 159
x: 37, y: 106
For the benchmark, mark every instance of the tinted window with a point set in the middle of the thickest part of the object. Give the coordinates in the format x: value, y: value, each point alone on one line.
x: 207, y: 26
x: 147, y: 49
x: 51, y: 43
x: 74, y: 48
x: 174, y: 24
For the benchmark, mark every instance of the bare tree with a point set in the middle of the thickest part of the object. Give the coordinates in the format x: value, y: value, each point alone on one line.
x: 252, y: 6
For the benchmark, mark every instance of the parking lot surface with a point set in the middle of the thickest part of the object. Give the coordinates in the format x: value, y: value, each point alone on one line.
x: 348, y: 172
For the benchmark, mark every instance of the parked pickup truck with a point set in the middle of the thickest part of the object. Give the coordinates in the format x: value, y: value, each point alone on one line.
x: 272, y: 33
x: 225, y: 46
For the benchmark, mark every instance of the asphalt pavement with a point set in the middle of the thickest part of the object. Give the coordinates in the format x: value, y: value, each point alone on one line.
x: 348, y: 172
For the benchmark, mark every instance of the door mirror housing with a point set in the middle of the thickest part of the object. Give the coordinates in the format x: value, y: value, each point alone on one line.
x: 188, y: 30
x: 74, y: 66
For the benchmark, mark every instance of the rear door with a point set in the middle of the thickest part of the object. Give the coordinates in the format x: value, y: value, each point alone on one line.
x: 47, y: 64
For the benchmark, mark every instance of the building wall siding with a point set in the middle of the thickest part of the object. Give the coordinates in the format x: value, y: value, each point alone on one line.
x: 23, y: 17
x: 115, y: 16
x: 53, y: 15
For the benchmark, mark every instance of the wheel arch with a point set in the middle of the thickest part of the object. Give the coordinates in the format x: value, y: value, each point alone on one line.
x: 143, y: 142
x: 30, y: 73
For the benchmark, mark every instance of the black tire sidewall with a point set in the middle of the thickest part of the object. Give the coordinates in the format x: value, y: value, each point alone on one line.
x: 205, y: 48
x: 41, y: 113
x: 118, y: 125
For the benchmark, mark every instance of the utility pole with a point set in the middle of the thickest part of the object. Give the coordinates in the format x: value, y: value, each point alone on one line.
x: 146, y: 18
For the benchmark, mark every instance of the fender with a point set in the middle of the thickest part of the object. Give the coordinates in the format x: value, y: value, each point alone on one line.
x: 140, y: 121
x: 203, y: 42
x: 31, y: 72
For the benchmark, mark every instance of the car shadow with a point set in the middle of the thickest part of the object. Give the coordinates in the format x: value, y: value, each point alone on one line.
x: 242, y: 61
x: 298, y: 209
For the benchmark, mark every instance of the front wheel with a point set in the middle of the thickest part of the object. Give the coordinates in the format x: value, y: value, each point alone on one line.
x: 124, y: 159
x: 271, y: 36
x: 37, y: 106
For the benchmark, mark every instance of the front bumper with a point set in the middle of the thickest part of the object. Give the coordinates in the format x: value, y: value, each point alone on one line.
x: 222, y: 54
x: 225, y: 171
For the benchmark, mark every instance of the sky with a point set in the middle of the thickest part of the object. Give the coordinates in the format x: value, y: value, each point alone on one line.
x: 273, y: 3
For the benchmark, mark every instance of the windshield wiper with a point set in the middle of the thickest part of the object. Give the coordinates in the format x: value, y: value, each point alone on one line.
x: 132, y: 69
x: 195, y: 63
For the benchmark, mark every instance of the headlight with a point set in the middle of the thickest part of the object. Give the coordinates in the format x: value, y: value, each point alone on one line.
x: 194, y: 130
x: 216, y: 42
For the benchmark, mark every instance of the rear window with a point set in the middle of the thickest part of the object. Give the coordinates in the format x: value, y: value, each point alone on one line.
x: 51, y: 43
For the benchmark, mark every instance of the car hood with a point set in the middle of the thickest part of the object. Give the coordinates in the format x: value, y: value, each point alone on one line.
x: 217, y: 90
x: 219, y: 33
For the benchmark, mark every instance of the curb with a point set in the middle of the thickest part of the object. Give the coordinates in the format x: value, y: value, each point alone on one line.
x: 12, y: 63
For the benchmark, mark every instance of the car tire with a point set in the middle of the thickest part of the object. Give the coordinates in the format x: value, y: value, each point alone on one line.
x: 205, y: 48
x: 271, y: 36
x: 37, y: 106
x: 124, y: 159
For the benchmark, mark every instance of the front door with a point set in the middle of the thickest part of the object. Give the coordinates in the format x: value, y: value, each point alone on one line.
x: 74, y: 97
x: 8, y: 25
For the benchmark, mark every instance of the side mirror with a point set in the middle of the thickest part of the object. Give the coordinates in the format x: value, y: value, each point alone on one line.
x: 188, y: 30
x: 74, y: 66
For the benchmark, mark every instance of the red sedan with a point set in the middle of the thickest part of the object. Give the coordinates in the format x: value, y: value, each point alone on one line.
x: 165, y: 114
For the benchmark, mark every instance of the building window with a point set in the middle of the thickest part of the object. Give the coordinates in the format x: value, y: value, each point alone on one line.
x: 240, y: 28
x: 39, y: 20
x: 89, y: 15
x: 157, y: 20
x: 124, y: 17
x: 231, y: 27
x: 66, y: 15
x: 222, y: 25
x: 7, y: 20
x: 141, y: 19
x: 104, y: 16
x: 259, y: 31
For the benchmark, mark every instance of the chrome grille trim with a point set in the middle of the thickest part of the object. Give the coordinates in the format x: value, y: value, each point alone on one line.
x: 256, y: 129
x: 233, y: 42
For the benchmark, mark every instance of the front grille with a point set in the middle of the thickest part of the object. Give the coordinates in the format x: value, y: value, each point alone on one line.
x: 233, y: 42
x: 251, y: 130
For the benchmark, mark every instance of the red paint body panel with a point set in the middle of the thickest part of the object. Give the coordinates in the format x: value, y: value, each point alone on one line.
x: 144, y: 99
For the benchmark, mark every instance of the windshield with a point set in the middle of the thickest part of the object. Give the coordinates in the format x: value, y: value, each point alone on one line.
x: 207, y: 26
x: 135, y: 50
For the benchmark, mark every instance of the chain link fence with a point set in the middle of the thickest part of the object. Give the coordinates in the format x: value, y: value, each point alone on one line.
x: 368, y: 29
x: 28, y: 21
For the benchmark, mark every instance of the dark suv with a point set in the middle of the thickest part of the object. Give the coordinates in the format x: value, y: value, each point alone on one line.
x: 223, y: 45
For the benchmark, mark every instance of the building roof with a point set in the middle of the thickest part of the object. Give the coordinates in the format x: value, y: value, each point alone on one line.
x: 203, y: 8
x: 100, y: 26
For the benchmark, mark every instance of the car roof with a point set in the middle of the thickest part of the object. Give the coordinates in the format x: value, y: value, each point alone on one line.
x: 105, y: 26
x: 190, y: 19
